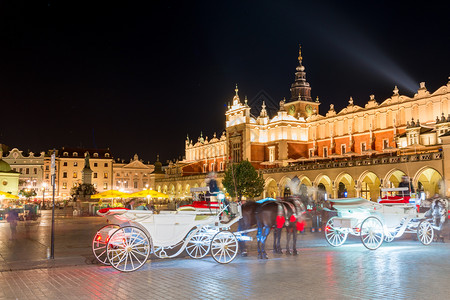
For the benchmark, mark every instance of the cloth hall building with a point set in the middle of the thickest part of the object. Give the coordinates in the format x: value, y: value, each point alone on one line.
x: 357, y: 150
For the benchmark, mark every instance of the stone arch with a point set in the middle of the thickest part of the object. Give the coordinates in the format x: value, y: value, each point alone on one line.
x: 284, y: 188
x: 369, y: 185
x: 347, y: 184
x: 187, y: 189
x: 270, y: 188
x: 393, y: 178
x: 171, y: 190
x: 428, y: 180
x: 179, y: 190
x: 325, y: 181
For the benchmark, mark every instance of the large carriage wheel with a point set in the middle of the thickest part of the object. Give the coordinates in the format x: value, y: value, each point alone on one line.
x: 425, y: 232
x: 224, y: 247
x: 199, y: 244
x: 99, y: 243
x: 128, y: 249
x: 334, y: 237
x: 372, y: 233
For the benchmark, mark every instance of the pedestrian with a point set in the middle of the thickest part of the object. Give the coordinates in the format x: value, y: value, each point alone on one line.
x: 130, y: 204
x: 12, y: 219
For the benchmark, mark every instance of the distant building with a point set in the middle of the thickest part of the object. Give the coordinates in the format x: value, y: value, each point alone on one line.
x: 9, y: 179
x: 30, y: 167
x: 133, y: 176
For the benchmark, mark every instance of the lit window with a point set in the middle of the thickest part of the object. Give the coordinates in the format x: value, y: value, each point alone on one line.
x: 343, y: 149
x: 75, y: 174
x: 105, y: 186
x: 272, y: 153
x: 105, y: 175
x: 135, y: 184
x: 75, y: 164
x: 64, y: 185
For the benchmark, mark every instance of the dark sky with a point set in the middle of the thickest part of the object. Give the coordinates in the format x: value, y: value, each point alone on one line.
x: 138, y: 78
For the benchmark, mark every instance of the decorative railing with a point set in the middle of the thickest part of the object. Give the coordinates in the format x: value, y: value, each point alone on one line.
x: 355, y: 162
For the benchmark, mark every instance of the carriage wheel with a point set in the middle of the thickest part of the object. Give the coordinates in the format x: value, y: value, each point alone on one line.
x: 425, y: 232
x: 334, y: 237
x: 390, y: 235
x: 199, y: 244
x: 224, y: 247
x: 128, y: 249
x: 372, y: 233
x: 99, y: 243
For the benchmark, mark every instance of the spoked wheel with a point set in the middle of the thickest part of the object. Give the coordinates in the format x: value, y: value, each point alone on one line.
x: 99, y: 243
x: 334, y: 237
x: 390, y: 235
x: 425, y: 232
x: 372, y: 233
x: 224, y: 247
x: 199, y: 244
x: 128, y: 249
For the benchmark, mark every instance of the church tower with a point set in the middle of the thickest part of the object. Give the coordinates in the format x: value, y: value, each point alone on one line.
x: 301, y: 104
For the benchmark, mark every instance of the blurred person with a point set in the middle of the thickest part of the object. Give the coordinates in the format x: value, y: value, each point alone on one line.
x: 12, y: 218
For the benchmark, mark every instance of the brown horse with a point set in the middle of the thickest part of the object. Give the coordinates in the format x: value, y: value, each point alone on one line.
x: 287, y: 213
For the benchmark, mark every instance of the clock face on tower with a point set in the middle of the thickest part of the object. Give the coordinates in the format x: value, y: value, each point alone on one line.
x: 292, y: 110
x: 309, y: 110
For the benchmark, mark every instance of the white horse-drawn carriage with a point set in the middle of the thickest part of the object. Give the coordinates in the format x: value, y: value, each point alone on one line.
x: 132, y: 235
x: 377, y: 222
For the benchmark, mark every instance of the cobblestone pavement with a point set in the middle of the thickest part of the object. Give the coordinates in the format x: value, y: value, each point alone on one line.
x: 400, y: 270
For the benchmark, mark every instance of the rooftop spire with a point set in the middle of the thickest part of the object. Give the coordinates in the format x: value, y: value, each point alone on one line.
x: 300, y: 58
x: 236, y: 90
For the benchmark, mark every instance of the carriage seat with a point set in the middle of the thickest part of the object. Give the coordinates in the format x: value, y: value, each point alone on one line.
x: 394, y: 200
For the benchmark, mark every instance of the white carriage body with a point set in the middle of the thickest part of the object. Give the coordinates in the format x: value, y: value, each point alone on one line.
x: 375, y: 222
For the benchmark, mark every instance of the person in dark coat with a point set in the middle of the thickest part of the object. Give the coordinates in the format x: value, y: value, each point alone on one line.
x: 12, y: 218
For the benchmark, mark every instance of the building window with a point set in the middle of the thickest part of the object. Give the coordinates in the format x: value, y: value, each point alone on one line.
x: 46, y: 176
x: 106, y: 165
x: 363, y: 146
x: 236, y: 152
x: 106, y: 154
x: 204, y: 168
x: 135, y: 185
x: 75, y: 154
x: 272, y: 153
x: 105, y: 186
x: 47, y: 168
x: 343, y: 149
x: 27, y: 171
x: 74, y: 184
x: 64, y: 174
x: 212, y: 167
x: 325, y: 152
x: 126, y: 184
x: 35, y: 171
x: 385, y: 143
x: 75, y: 174
x: 95, y: 164
x: 95, y: 175
x: 221, y: 166
x: 95, y: 154
x: 75, y: 164
x: 66, y: 154
x: 64, y: 185
x: 65, y: 164
x: 311, y: 152
x: 105, y: 175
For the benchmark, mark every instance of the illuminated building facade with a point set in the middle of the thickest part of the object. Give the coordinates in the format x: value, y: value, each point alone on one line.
x: 133, y: 176
x: 358, y: 149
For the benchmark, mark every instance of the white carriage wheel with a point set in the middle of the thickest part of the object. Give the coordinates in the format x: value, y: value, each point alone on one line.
x: 99, y: 244
x: 199, y: 244
x: 224, y: 247
x: 372, y: 233
x: 128, y: 249
x: 425, y: 232
x: 334, y: 237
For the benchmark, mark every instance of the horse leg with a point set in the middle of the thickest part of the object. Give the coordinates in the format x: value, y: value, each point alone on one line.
x: 288, y: 237
x: 294, y: 241
x: 259, y: 238
x: 265, y: 233
x: 242, y: 246
x: 279, y: 250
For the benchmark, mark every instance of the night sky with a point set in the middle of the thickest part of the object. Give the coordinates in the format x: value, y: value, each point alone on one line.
x: 138, y: 79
